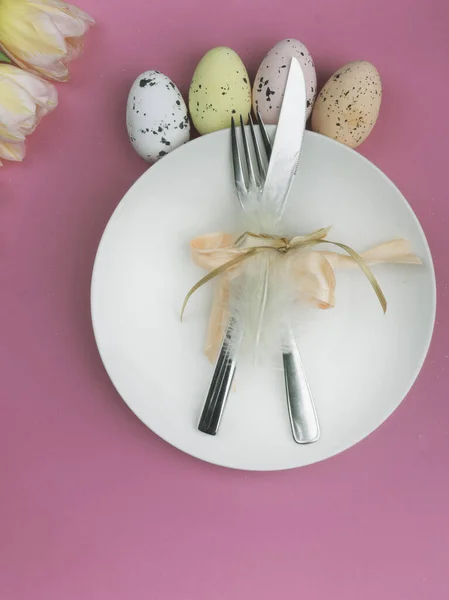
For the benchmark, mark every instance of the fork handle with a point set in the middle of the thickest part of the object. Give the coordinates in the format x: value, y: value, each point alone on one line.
x: 301, y: 408
x: 221, y: 382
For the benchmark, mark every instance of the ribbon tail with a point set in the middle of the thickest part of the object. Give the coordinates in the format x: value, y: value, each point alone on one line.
x: 396, y: 251
x: 366, y: 270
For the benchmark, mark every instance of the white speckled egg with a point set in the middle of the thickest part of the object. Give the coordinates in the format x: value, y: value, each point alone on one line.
x: 348, y: 105
x: 156, y: 116
x: 220, y: 88
x: 271, y: 78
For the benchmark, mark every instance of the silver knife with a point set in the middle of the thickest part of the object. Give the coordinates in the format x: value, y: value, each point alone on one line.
x: 282, y: 168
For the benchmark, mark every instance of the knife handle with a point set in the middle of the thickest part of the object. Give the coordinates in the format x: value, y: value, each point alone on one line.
x: 301, y: 407
x: 221, y: 382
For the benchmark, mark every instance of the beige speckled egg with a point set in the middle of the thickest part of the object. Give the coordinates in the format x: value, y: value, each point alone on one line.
x: 220, y: 88
x: 271, y: 78
x: 348, y: 105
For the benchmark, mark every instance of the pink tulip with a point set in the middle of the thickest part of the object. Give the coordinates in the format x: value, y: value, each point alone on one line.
x: 24, y: 100
x: 42, y: 36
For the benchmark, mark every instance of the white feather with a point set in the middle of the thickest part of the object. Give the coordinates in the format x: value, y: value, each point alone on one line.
x: 262, y: 298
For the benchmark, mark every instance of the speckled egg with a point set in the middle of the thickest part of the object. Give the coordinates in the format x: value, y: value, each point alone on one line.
x: 271, y: 78
x: 156, y: 116
x: 348, y: 105
x: 220, y: 88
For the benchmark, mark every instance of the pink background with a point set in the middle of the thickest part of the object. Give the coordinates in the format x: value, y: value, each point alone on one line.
x: 93, y: 505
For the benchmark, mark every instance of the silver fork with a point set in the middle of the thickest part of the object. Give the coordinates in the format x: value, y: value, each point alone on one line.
x: 303, y: 419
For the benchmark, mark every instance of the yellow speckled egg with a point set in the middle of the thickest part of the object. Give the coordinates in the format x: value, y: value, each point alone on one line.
x: 348, y: 105
x: 220, y: 88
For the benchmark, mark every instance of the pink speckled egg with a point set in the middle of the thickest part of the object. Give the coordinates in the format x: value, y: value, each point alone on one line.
x: 271, y: 78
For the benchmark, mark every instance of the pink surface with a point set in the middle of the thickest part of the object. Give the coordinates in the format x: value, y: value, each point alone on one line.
x: 92, y: 504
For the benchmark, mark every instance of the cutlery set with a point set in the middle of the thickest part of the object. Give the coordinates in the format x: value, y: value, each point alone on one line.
x: 266, y: 171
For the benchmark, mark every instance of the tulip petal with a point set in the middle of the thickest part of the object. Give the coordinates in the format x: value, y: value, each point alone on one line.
x: 57, y: 71
x: 42, y: 36
x: 67, y: 22
x: 68, y: 8
x: 16, y: 103
x: 11, y: 134
x: 81, y: 14
x: 74, y: 47
x: 35, y: 38
x: 14, y: 152
x: 43, y: 93
x: 24, y: 99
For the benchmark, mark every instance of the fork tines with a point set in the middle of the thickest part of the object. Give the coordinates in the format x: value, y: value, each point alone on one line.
x: 246, y: 179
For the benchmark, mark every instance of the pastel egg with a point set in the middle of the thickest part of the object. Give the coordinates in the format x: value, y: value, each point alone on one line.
x: 348, y: 105
x: 271, y: 78
x: 156, y: 116
x: 220, y: 88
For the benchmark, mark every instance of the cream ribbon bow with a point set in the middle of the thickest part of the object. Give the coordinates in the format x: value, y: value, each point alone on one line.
x: 313, y: 272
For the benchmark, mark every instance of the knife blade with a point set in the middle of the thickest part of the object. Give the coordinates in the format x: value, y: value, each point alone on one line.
x: 282, y: 167
x: 288, y: 141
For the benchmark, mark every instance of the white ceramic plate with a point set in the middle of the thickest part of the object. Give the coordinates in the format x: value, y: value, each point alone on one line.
x: 360, y: 363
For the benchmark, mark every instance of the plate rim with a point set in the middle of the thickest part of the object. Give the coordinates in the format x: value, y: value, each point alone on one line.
x: 416, y: 372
